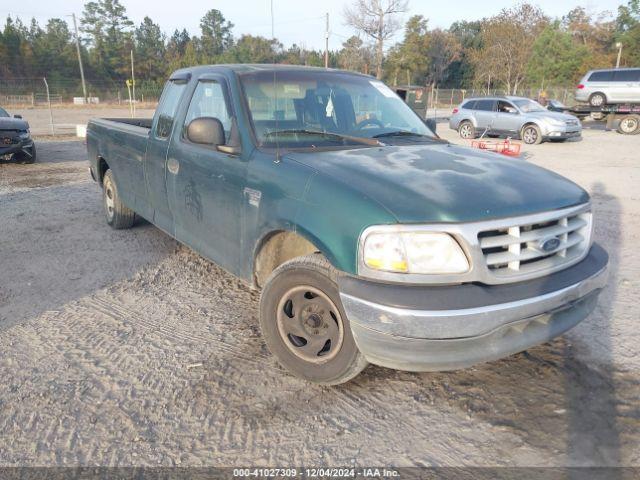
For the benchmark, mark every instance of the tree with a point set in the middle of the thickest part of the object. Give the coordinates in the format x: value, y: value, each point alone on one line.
x: 595, y: 34
x: 216, y: 35
x: 378, y: 20
x: 410, y: 56
x: 628, y: 32
x: 555, y: 57
x: 443, y: 49
x: 461, y: 71
x: 150, y: 50
x: 109, y: 30
x: 352, y: 56
x: 507, y: 42
x: 253, y: 49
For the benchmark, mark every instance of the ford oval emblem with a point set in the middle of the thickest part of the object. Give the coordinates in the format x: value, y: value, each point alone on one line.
x: 549, y: 244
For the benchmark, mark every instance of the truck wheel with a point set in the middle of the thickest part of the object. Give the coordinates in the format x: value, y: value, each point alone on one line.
x: 629, y: 125
x: 597, y: 99
x: 304, y: 324
x: 466, y: 130
x: 531, y: 134
x: 28, y: 157
x: 119, y: 216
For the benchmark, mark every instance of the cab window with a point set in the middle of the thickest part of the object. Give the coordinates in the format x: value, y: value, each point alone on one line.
x: 208, y: 100
x: 168, y: 106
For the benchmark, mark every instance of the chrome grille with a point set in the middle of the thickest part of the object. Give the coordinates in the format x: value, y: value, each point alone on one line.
x: 522, y: 249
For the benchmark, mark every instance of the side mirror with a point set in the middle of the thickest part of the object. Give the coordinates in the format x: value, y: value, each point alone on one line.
x: 431, y: 123
x: 206, y: 131
x: 17, y: 116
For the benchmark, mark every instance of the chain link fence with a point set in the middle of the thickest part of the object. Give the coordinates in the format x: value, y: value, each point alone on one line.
x: 33, y: 92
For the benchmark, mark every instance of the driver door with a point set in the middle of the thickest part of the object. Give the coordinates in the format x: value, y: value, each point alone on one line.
x: 506, y: 121
x: 205, y: 185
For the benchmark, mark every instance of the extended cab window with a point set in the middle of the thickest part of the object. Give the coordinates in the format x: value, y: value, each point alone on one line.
x: 208, y: 101
x: 167, y: 108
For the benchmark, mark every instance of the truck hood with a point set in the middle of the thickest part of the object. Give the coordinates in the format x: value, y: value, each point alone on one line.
x: 9, y: 123
x: 444, y: 182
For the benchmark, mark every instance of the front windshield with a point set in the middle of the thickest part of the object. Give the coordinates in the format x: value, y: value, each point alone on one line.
x: 526, y: 106
x: 303, y: 109
x: 3, y: 113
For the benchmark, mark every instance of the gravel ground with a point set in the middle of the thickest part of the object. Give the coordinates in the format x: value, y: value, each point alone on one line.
x: 125, y: 348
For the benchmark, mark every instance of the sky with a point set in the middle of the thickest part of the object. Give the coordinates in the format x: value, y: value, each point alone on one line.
x: 296, y: 21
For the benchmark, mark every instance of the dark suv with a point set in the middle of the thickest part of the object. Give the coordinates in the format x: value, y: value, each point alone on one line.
x: 15, y: 139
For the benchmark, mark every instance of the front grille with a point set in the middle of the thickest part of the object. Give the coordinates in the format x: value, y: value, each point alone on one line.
x: 523, y: 249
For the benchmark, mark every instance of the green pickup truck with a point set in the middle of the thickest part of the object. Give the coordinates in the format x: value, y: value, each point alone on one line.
x: 372, y: 239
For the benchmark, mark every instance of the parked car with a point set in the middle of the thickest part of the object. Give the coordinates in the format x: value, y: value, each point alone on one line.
x: 371, y: 239
x: 513, y: 117
x: 602, y: 87
x: 15, y: 139
x: 557, y: 106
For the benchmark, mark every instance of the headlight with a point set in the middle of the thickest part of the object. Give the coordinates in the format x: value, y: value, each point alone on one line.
x: 413, y: 252
x: 25, y: 135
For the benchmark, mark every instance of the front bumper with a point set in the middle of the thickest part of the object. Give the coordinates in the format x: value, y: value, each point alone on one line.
x: 562, y: 134
x: 419, y: 328
x: 15, y: 148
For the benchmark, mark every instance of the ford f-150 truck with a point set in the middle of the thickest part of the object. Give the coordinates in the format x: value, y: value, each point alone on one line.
x: 371, y: 239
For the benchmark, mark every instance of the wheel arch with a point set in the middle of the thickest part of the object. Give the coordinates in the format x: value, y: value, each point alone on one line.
x: 279, y: 246
x: 102, y: 166
x: 469, y: 119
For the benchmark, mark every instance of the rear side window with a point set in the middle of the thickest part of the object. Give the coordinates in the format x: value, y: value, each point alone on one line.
x: 485, y: 105
x: 469, y: 105
x: 601, y: 76
x: 626, y: 76
x: 168, y: 106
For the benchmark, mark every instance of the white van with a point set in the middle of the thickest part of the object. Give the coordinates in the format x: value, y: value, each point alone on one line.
x: 602, y: 87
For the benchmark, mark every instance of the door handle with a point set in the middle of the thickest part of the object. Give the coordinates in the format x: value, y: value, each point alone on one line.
x: 173, y: 166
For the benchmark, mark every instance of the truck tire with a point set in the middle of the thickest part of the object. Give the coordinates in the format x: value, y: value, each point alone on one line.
x: 27, y: 158
x: 531, y: 134
x: 304, y: 325
x: 629, y: 125
x: 597, y: 99
x: 119, y: 216
x: 466, y: 130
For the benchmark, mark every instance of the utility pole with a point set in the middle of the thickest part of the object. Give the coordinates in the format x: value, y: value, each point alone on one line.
x: 133, y: 85
x: 619, y: 45
x: 326, y: 44
x: 84, y: 86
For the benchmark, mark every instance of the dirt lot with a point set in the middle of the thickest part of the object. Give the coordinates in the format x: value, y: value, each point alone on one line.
x: 125, y: 348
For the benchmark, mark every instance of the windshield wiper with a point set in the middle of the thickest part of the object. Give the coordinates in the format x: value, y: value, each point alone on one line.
x: 401, y: 133
x: 304, y: 131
